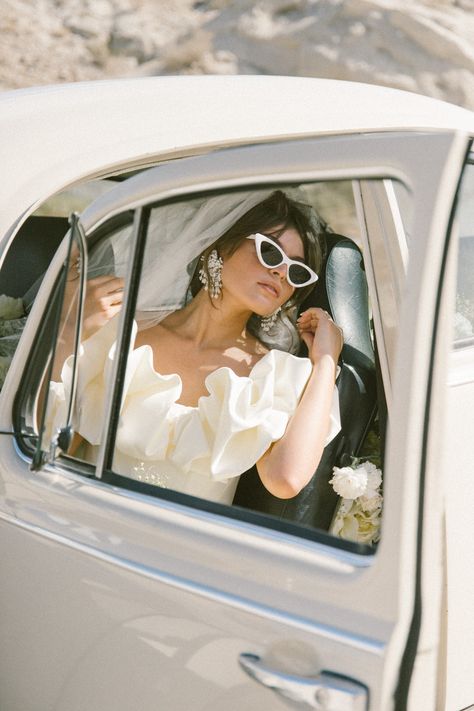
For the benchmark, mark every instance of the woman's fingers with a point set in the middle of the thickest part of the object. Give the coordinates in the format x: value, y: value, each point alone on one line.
x: 105, y: 291
x: 104, y: 296
x: 320, y: 333
x: 308, y: 320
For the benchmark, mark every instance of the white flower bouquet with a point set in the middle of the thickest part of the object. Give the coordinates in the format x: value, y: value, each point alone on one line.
x: 358, y: 514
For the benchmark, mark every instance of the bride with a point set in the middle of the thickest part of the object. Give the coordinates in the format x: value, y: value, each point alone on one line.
x: 207, y: 394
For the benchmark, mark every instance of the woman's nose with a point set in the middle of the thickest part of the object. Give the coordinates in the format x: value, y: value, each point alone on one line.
x: 279, y: 271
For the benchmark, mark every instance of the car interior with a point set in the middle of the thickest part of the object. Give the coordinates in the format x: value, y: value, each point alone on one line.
x: 341, y: 290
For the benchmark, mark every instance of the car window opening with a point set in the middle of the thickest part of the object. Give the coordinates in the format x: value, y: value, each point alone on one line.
x: 321, y: 502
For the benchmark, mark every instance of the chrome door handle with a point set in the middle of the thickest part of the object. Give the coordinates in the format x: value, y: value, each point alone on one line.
x: 324, y: 692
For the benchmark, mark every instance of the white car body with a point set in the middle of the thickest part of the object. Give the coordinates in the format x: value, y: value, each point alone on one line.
x: 115, y: 600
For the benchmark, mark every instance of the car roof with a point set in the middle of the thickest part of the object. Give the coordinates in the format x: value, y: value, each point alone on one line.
x: 52, y: 136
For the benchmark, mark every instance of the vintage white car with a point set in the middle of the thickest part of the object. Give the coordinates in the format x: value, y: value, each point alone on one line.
x: 120, y: 593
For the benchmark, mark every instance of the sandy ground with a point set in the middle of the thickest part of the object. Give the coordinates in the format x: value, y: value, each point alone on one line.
x: 420, y: 45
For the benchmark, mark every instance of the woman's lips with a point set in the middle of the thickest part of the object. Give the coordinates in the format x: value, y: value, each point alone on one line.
x: 270, y: 289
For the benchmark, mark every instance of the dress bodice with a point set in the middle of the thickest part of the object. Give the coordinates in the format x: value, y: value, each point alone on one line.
x: 199, y: 450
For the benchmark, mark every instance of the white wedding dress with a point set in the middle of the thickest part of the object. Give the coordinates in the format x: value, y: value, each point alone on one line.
x: 198, y: 450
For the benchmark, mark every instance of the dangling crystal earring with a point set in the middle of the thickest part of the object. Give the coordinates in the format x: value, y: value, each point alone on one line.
x: 267, y: 322
x: 214, y: 267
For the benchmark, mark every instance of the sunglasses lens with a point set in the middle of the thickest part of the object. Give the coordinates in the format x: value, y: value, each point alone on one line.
x: 299, y: 274
x: 270, y: 254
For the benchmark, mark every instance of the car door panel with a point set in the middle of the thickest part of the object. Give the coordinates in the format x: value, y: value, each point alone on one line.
x: 157, y: 579
x: 170, y: 596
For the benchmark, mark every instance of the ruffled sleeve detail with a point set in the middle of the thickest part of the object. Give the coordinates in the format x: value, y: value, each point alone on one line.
x: 245, y: 415
x: 95, y: 360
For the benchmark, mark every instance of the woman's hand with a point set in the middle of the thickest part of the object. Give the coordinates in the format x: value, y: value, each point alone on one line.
x: 103, y: 300
x: 104, y: 296
x: 320, y: 334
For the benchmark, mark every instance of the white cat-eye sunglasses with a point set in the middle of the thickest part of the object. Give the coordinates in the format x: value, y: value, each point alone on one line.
x: 270, y: 255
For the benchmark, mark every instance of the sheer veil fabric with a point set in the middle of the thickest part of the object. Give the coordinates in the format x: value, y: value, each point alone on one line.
x: 178, y: 233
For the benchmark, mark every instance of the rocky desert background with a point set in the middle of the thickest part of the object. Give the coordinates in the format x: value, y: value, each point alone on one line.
x: 426, y: 46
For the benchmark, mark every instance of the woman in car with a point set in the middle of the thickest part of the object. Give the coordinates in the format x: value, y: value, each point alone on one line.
x: 207, y: 394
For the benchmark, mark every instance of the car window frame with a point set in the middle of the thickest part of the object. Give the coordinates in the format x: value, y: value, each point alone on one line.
x: 103, y: 468
x: 318, y: 174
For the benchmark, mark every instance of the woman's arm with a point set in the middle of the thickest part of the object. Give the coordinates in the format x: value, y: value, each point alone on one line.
x: 103, y: 301
x: 289, y: 463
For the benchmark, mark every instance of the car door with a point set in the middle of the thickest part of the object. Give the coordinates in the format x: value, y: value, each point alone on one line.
x: 458, y: 624
x: 113, y: 598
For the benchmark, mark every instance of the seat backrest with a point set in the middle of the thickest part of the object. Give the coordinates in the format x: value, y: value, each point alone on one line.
x: 341, y: 290
x: 30, y: 254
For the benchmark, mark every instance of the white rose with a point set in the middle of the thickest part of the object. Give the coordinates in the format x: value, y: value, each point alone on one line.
x: 344, y: 524
x: 374, y: 478
x: 349, y: 528
x: 354, y: 524
x: 368, y: 527
x: 349, y: 483
x: 371, y: 502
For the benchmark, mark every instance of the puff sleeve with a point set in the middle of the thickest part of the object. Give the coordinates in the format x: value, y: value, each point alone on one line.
x: 244, y: 416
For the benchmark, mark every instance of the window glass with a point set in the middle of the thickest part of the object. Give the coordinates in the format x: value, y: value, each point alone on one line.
x: 335, y: 205
x: 464, y: 310
x: 74, y: 199
x: 55, y: 376
x: 29, y: 256
x: 203, y: 404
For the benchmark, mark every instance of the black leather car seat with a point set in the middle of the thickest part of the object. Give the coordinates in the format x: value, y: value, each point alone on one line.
x: 30, y: 254
x: 341, y: 290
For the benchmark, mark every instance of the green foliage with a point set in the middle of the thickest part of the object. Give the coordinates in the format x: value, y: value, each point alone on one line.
x: 371, y: 449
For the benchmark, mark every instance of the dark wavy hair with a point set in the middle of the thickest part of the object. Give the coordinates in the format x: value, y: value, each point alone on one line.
x: 276, y: 211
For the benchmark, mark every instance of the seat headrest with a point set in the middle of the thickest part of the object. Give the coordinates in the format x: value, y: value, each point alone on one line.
x: 342, y: 290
